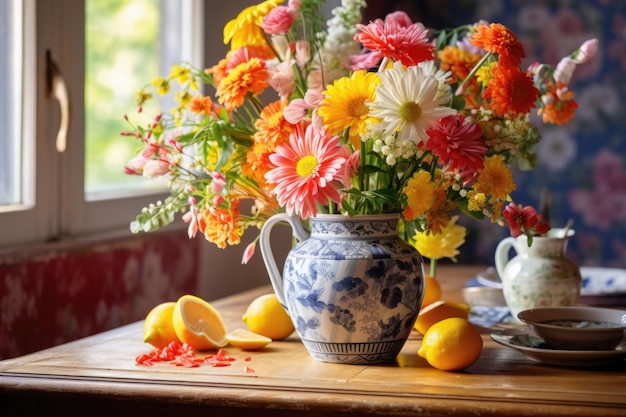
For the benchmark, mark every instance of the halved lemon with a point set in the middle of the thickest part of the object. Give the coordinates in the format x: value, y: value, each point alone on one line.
x: 198, y: 323
x: 437, y: 311
x: 247, y: 340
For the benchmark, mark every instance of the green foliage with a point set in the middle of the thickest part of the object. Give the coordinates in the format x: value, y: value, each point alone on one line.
x: 158, y: 215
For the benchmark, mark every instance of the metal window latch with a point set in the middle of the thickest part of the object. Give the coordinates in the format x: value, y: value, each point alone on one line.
x: 56, y: 88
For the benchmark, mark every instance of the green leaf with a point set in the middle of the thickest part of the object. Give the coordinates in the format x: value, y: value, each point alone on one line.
x: 441, y: 40
x: 458, y: 103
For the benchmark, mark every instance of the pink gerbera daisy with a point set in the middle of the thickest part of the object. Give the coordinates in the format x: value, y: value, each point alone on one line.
x: 407, y: 44
x: 458, y: 144
x: 308, y: 170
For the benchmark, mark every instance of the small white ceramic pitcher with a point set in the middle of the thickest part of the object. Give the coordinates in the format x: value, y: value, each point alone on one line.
x: 539, y: 275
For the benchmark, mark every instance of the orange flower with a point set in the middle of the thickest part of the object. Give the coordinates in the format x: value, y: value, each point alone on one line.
x: 219, y: 70
x: 256, y: 164
x: 201, y: 104
x: 557, y: 109
x: 246, y: 77
x: 420, y: 194
x: 510, y: 90
x: 559, y: 112
x: 498, y: 39
x: 457, y: 60
x: 221, y: 225
x: 272, y: 128
x: 438, y: 216
x: 495, y: 179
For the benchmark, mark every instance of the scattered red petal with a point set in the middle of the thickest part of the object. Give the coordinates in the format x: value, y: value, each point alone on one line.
x: 248, y: 370
x: 179, y: 354
x: 247, y: 358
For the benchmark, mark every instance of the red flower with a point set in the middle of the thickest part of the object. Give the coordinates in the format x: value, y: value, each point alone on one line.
x: 458, y: 144
x: 524, y: 220
x: 407, y: 44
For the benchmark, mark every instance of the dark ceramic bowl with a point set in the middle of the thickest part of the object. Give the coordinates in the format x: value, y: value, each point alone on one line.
x: 576, y: 328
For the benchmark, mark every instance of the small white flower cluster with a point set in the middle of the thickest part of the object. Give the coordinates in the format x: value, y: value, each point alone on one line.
x: 389, y: 146
x: 340, y: 44
x: 517, y: 137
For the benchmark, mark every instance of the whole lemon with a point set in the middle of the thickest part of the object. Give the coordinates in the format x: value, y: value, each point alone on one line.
x: 158, y: 329
x: 451, y: 344
x: 267, y: 317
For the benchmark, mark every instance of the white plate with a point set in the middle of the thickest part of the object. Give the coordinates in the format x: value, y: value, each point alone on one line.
x: 602, y: 281
x: 521, y: 339
x: 489, y: 278
x: 601, y: 286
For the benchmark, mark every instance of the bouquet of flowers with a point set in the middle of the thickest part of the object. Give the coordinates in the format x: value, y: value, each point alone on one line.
x: 306, y: 116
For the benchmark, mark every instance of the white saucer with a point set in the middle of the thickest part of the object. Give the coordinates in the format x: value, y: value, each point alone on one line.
x: 520, y: 339
x: 601, y: 286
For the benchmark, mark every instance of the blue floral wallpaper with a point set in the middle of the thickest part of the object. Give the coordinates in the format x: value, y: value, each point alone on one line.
x: 582, y: 165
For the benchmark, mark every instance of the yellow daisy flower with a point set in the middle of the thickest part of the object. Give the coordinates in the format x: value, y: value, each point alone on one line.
x: 142, y: 97
x: 441, y: 245
x: 483, y: 74
x: 245, y: 29
x: 495, y: 179
x: 345, y: 105
x: 183, y: 98
x: 162, y: 85
x: 476, y: 201
x: 420, y: 194
x: 180, y: 73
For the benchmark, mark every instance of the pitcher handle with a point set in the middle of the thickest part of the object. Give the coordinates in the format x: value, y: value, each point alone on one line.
x: 502, y: 254
x: 297, y: 231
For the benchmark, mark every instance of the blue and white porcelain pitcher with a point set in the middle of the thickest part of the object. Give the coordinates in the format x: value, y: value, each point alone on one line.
x: 352, y: 287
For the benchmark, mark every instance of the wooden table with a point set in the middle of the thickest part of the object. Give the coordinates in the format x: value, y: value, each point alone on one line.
x: 98, y: 376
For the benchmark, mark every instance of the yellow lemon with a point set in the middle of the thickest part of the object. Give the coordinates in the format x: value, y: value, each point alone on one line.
x: 451, y: 344
x: 198, y: 323
x: 267, y: 317
x: 432, y: 291
x: 247, y: 340
x: 158, y: 329
x: 438, y: 311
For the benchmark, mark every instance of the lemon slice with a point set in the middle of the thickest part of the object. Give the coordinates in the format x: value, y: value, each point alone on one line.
x: 247, y: 340
x: 198, y: 323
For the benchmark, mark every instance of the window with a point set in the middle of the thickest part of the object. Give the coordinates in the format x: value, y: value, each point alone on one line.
x: 97, y: 54
x: 10, y: 99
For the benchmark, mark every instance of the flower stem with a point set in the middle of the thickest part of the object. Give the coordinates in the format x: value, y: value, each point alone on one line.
x: 433, y: 268
x: 461, y: 89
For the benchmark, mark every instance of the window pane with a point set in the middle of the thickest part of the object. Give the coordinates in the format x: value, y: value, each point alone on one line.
x: 10, y: 103
x: 127, y: 44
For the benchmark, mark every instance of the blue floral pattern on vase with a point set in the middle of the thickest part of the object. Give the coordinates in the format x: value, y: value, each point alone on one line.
x: 353, y: 289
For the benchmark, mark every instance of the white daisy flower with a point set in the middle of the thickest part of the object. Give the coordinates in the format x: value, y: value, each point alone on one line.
x: 406, y: 102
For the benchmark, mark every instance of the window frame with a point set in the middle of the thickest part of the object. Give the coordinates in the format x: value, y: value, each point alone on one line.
x: 55, y: 205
